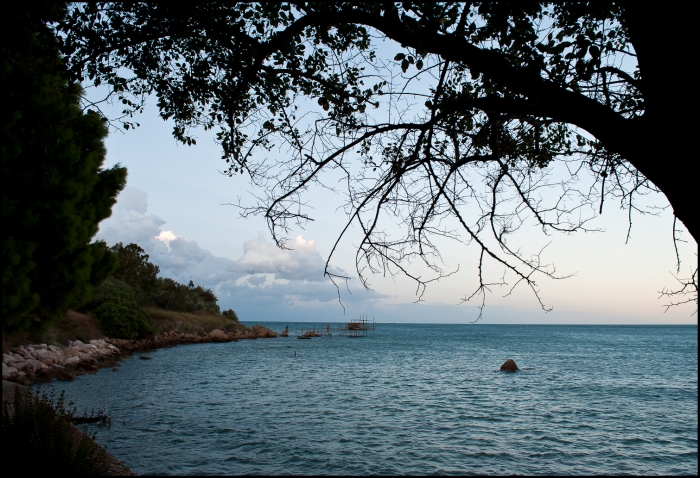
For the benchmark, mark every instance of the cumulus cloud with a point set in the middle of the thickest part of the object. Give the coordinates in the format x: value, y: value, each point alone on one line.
x: 129, y: 221
x: 300, y: 262
x: 263, y: 280
x: 166, y: 237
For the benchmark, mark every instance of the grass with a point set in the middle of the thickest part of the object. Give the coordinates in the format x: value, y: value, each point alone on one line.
x: 84, y: 327
x: 72, y: 326
x: 199, y: 323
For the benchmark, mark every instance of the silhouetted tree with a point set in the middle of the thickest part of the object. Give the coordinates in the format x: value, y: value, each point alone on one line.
x: 488, y: 115
x: 54, y: 189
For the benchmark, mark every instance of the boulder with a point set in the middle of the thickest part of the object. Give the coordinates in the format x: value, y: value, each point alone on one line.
x: 45, y: 357
x: 263, y: 332
x: 509, y: 366
x: 8, y: 372
x: 66, y: 376
x: 22, y: 378
x: 217, y: 335
x: 43, y: 376
x: 71, y: 360
x: 26, y: 365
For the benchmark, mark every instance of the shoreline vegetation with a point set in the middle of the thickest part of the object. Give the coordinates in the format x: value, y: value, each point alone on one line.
x: 61, y: 354
x: 132, y: 310
x: 44, y: 424
x: 74, y: 345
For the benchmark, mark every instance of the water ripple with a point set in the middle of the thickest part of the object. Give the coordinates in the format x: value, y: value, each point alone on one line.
x: 393, y: 404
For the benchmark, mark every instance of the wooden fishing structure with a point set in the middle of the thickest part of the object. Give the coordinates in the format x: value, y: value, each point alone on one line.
x: 316, y: 332
x: 352, y: 329
x: 357, y: 328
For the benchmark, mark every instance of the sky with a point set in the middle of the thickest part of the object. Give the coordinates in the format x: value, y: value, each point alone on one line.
x: 177, y: 207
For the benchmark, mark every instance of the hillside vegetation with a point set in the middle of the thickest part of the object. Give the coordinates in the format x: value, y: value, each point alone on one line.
x: 133, y: 302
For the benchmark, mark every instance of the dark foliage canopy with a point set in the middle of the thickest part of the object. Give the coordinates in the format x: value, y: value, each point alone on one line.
x: 136, y: 277
x: 54, y: 189
x: 488, y: 116
x: 134, y: 267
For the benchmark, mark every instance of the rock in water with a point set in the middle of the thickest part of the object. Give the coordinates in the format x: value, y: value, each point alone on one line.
x: 509, y: 366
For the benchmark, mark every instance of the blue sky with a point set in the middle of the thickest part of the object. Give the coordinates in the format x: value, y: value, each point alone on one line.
x: 174, y: 206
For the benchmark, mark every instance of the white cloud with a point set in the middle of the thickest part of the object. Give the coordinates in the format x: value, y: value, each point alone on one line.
x: 301, y: 262
x: 129, y: 221
x: 166, y: 237
x: 264, y: 282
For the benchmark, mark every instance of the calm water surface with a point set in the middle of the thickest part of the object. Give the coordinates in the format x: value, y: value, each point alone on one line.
x: 588, y: 400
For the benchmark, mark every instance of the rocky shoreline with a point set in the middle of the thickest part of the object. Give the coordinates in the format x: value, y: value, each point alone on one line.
x: 42, y: 363
x: 24, y: 365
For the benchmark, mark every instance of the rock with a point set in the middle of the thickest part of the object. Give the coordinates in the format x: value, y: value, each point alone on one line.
x: 217, y: 335
x: 45, y: 357
x: 71, y: 360
x: 263, y: 332
x: 24, y: 365
x: 66, y: 376
x: 8, y: 372
x: 509, y: 366
x: 22, y: 378
x: 70, y: 352
x: 115, y: 369
x: 43, y: 376
x: 145, y: 357
x: 55, y: 349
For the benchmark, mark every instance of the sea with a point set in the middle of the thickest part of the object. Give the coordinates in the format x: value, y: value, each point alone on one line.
x: 407, y: 399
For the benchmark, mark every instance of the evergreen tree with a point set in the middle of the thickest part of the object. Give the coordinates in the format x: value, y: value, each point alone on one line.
x: 54, y: 189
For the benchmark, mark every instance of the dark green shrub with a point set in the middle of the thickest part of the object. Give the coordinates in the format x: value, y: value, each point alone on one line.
x: 121, y: 317
x: 230, y: 314
x: 38, y: 438
x: 109, y: 288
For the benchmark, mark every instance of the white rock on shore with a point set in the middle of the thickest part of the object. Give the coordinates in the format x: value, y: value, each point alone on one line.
x: 24, y: 362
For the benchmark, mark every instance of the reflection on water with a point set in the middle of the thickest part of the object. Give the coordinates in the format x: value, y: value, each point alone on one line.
x: 589, y: 399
